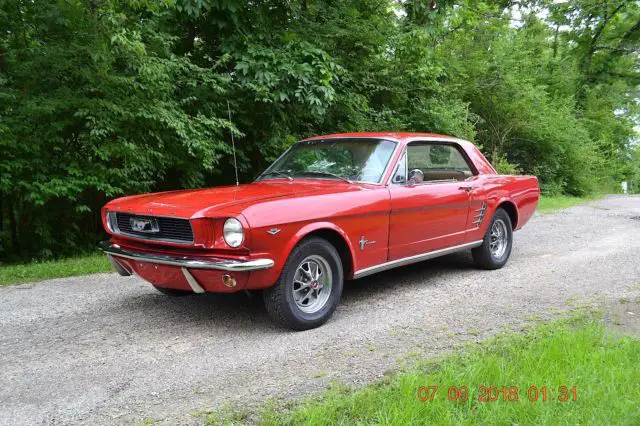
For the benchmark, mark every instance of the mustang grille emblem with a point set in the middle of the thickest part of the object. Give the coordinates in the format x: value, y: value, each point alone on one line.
x: 149, y: 226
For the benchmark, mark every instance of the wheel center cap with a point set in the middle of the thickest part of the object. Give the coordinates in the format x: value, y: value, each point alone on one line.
x: 314, y: 285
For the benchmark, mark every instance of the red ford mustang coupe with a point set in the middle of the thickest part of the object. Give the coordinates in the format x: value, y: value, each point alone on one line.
x: 330, y: 208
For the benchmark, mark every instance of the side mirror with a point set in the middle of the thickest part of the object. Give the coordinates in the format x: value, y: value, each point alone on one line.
x: 398, y: 179
x: 416, y: 176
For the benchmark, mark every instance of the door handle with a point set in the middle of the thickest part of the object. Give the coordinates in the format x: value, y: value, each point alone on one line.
x: 466, y: 188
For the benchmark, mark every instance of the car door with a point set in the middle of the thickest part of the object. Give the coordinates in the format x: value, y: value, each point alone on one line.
x: 430, y: 195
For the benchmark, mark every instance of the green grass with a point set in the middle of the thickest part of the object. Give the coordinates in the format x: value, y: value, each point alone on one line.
x: 576, y: 352
x: 552, y: 203
x: 37, y: 271
x: 226, y: 415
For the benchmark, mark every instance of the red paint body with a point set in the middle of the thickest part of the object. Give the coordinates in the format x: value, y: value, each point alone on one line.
x: 403, y: 220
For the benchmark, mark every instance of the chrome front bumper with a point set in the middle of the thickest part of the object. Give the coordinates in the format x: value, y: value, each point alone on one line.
x: 219, y: 264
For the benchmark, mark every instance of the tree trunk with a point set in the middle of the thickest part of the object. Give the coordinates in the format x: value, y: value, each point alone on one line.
x: 13, y: 227
x: 189, y: 39
x: 555, y: 41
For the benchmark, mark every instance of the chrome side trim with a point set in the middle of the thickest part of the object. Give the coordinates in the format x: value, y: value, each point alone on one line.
x: 191, y: 280
x: 219, y: 264
x: 413, y: 259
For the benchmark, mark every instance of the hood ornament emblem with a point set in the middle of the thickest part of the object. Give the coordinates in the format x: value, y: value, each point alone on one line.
x: 273, y: 231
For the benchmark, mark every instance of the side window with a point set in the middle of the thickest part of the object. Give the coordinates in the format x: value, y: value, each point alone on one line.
x: 400, y: 174
x: 436, y: 162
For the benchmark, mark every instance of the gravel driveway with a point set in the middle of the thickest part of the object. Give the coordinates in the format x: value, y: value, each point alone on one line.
x: 107, y: 349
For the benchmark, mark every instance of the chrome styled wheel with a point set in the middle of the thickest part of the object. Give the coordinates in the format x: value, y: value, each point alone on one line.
x: 498, y: 238
x: 309, y: 287
x: 312, y: 284
x: 495, y: 249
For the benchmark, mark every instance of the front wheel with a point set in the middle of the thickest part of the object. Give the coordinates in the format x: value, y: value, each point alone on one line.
x: 496, y: 245
x: 309, y: 287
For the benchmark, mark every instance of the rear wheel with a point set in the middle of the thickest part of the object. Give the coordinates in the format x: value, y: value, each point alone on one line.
x: 309, y: 287
x: 172, y: 291
x: 496, y: 245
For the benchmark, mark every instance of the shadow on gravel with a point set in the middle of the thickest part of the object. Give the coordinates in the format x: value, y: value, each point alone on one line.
x: 242, y: 311
x: 217, y: 311
x: 425, y: 273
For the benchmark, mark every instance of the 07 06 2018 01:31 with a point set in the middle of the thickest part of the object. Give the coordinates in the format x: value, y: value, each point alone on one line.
x: 499, y: 393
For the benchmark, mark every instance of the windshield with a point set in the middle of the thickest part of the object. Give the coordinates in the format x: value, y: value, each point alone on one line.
x: 357, y: 160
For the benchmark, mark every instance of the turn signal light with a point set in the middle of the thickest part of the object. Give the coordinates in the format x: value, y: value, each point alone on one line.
x: 228, y: 281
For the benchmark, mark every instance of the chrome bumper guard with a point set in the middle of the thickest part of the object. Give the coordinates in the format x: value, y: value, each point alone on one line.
x: 219, y: 264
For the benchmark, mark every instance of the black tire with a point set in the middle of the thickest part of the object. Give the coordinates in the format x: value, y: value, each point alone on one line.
x: 483, y: 256
x: 172, y: 291
x: 279, y: 299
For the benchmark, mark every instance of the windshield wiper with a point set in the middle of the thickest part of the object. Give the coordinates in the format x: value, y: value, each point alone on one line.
x: 327, y: 174
x: 275, y: 172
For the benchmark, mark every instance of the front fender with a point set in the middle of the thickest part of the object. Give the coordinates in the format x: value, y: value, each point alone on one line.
x: 320, y: 226
x: 280, y: 252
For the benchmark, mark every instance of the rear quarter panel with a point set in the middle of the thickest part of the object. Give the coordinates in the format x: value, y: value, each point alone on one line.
x: 521, y: 191
x: 525, y: 193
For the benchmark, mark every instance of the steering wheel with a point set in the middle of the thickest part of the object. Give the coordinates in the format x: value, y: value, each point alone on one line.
x: 416, y: 176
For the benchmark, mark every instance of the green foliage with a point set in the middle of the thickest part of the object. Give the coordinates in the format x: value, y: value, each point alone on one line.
x: 503, y: 166
x: 100, y: 99
x: 96, y: 106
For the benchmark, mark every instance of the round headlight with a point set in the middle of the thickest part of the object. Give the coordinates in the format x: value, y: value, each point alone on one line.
x: 233, y: 232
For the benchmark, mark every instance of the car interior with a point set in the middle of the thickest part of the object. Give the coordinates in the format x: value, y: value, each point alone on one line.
x: 437, y: 162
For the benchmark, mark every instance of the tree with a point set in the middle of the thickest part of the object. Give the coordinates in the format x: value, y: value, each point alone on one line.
x: 103, y: 98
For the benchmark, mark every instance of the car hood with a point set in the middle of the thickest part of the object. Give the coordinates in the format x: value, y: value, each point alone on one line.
x: 195, y: 203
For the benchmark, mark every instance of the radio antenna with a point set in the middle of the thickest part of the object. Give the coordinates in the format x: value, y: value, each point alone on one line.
x: 233, y: 145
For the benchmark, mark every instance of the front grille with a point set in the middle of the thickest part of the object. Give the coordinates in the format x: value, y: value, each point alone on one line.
x: 169, y: 229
